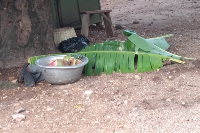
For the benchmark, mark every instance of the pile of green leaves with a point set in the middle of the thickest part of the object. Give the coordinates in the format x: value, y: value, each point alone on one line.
x: 136, y: 54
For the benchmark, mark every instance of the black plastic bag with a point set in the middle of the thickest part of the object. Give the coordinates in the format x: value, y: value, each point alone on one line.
x: 74, y: 44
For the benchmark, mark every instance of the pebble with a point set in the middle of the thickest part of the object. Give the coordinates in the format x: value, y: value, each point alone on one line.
x: 14, y: 81
x: 183, y: 103
x: 108, y: 117
x: 118, y: 27
x: 125, y: 102
x: 11, y: 78
x: 5, y: 97
x: 136, y: 22
x: 137, y: 77
x: 20, y: 110
x: 88, y: 92
x: 49, y: 109
x: 18, y: 117
x: 87, y: 98
x: 168, y: 100
x: 170, y: 77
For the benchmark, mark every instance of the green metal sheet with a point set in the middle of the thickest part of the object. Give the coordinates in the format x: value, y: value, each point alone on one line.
x: 70, y: 12
x: 90, y: 5
x: 55, y: 13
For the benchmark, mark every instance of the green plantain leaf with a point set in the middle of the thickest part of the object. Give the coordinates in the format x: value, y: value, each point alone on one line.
x: 128, y: 32
x: 88, y: 68
x: 128, y: 46
x: 131, y: 62
x: 124, y: 63
x: 149, y: 47
x: 107, y: 63
x: 32, y: 60
x: 140, y: 42
x: 156, y: 62
x: 111, y: 64
x: 140, y: 63
x: 99, y: 64
x: 111, y: 45
x: 159, y: 42
x: 119, y: 57
x: 146, y: 63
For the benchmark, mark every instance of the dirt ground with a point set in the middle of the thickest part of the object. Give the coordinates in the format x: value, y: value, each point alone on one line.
x: 166, y: 101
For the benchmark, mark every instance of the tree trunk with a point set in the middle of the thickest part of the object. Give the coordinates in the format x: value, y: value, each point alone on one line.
x: 26, y: 29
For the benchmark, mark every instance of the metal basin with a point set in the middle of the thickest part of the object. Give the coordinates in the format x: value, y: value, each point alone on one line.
x: 61, y: 74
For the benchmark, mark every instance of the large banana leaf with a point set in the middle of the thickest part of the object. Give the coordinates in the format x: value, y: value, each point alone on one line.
x: 153, y: 45
x: 158, y: 41
x: 108, y: 57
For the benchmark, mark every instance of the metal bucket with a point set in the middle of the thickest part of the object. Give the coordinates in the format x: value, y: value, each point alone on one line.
x: 61, y: 74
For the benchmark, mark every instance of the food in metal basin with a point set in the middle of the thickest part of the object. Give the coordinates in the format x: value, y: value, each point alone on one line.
x: 66, y: 61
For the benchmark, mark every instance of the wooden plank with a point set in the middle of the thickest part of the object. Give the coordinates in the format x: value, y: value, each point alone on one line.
x: 108, y: 25
x: 96, y: 11
x: 107, y: 19
x: 85, y: 24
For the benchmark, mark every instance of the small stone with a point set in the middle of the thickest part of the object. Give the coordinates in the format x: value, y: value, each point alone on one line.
x: 5, y: 97
x: 136, y: 22
x: 27, y: 111
x: 18, y: 117
x: 14, y: 81
x: 168, y: 100
x: 194, y: 119
x: 119, y: 103
x: 118, y: 27
x: 183, y: 103
x: 137, y: 77
x: 170, y: 77
x: 49, y: 108
x: 96, y: 122
x: 11, y: 78
x: 108, y: 117
x: 87, y: 98
x: 18, y: 99
x: 20, y: 110
x: 88, y: 92
x: 125, y: 102
x: 150, y: 23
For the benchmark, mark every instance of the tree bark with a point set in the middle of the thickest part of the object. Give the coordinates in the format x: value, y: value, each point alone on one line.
x: 26, y: 29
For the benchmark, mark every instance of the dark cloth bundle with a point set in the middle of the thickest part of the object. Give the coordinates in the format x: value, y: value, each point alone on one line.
x: 30, y: 75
